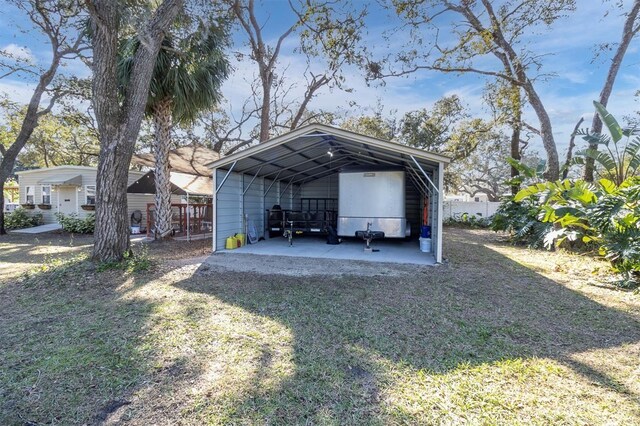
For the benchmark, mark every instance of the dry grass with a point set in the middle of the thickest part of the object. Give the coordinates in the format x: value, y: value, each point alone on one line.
x: 501, y: 335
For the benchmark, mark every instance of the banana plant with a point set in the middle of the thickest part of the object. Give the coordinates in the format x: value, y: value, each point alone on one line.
x: 616, y: 216
x: 564, y: 204
x: 620, y: 159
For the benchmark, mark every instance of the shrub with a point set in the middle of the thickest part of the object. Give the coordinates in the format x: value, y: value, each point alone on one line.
x: 578, y: 215
x: 520, y: 219
x: 616, y: 216
x: 19, y: 219
x: 468, y: 220
x: 132, y: 262
x: 76, y: 225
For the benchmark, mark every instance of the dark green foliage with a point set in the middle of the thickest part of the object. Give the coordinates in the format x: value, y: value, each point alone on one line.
x: 467, y: 220
x: 188, y: 71
x: 578, y: 216
x: 617, y: 160
x: 76, y: 225
x: 19, y: 219
x: 617, y: 216
x: 520, y: 219
x: 132, y: 262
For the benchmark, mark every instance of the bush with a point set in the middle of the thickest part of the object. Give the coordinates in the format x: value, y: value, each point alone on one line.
x: 76, y: 225
x: 19, y: 219
x: 520, y: 219
x: 616, y: 216
x: 468, y: 220
x: 578, y: 215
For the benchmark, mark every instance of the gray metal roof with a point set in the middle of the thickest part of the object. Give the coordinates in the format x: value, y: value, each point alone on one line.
x: 315, y: 151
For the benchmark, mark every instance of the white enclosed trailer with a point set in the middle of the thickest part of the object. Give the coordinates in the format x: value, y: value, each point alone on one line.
x: 372, y: 198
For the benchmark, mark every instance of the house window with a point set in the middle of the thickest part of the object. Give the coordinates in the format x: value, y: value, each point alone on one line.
x: 90, y: 191
x: 46, y: 194
x: 29, y: 195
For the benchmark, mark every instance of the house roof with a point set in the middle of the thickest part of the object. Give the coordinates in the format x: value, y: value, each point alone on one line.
x: 316, y: 150
x: 72, y: 179
x: 69, y: 169
x: 190, y: 159
x: 181, y: 184
x: 48, y: 169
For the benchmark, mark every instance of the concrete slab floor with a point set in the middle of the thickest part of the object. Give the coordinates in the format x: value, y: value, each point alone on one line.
x: 390, y: 251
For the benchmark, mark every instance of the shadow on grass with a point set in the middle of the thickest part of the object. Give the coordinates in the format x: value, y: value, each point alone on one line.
x: 72, y: 348
x: 350, y: 333
x: 89, y: 348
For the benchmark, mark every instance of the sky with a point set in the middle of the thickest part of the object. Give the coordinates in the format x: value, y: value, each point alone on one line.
x: 575, y: 75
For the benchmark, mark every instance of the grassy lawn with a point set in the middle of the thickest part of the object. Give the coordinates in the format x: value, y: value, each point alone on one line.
x: 499, y: 335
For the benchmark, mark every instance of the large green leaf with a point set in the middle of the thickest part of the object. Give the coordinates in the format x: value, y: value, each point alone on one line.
x: 594, y: 138
x: 581, y: 194
x: 607, y: 186
x: 535, y: 189
x: 609, y: 120
x: 523, y: 169
x: 603, y: 158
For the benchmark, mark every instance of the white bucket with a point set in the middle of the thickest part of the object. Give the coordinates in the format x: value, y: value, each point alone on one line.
x: 425, y: 245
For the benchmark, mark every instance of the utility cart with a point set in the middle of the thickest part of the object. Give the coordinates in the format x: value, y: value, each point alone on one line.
x: 313, y: 217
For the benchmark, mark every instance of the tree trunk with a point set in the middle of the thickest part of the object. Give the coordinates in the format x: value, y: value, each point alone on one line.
x: 265, y: 110
x: 516, y: 126
x: 162, y: 124
x: 512, y: 60
x: 628, y: 33
x: 112, y: 230
x: 572, y: 144
x: 2, y: 230
x: 29, y: 123
x: 119, y: 121
x: 552, y: 171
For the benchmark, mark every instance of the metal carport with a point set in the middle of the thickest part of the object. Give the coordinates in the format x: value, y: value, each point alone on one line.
x: 277, y: 171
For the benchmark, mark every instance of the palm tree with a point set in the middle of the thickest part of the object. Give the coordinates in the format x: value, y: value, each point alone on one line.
x: 186, y: 80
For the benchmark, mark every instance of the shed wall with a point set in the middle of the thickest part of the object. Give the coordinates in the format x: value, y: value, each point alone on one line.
x: 322, y: 188
x: 254, y: 202
x: 228, y: 207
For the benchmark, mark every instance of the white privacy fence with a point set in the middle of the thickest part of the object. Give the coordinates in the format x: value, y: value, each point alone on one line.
x: 480, y: 209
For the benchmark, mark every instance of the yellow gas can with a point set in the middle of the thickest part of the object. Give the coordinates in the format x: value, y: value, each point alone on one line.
x: 232, y: 243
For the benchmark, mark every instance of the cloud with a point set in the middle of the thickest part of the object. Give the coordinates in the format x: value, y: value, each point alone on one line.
x: 18, y: 53
x: 17, y: 91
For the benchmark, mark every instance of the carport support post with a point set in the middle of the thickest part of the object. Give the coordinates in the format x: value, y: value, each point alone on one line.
x: 440, y: 211
x: 214, y: 211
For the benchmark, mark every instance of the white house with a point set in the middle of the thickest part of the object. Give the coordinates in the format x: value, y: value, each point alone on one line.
x: 69, y: 190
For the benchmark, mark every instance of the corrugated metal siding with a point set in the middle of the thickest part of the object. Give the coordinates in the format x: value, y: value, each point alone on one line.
x: 285, y: 195
x: 228, y: 207
x: 295, y: 197
x: 253, y: 202
x: 271, y: 198
x: 322, y: 188
x: 413, y: 207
